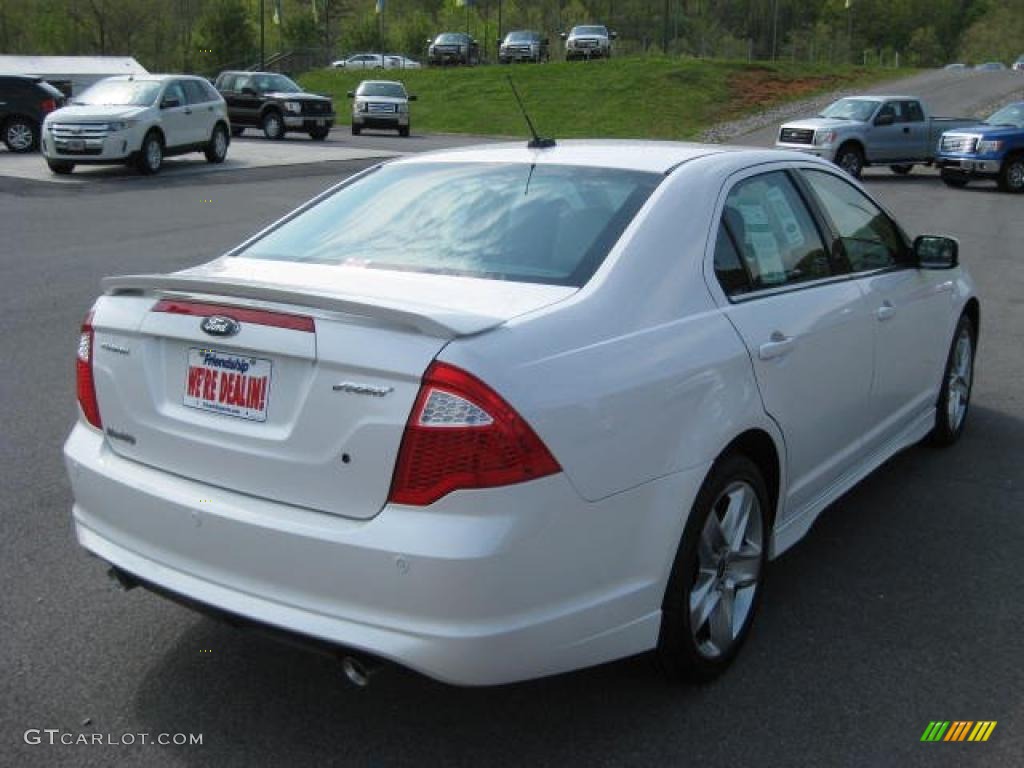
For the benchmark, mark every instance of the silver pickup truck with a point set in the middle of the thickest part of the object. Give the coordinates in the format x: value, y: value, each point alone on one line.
x: 859, y: 131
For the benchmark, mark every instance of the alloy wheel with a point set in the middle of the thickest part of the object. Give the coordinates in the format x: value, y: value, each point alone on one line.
x: 729, y: 559
x: 19, y: 137
x: 958, y: 383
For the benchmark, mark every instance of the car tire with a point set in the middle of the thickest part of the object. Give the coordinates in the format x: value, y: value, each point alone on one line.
x: 217, y: 149
x: 356, y: 130
x: 237, y: 130
x: 706, y: 617
x: 901, y: 170
x: 21, y: 134
x: 850, y: 158
x: 1011, y: 175
x: 273, y: 126
x: 957, y: 382
x: 320, y: 134
x: 955, y: 180
x: 61, y: 167
x: 151, y: 154
x: 403, y: 131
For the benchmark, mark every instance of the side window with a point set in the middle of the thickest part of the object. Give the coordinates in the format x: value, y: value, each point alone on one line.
x: 243, y: 82
x: 729, y: 270
x: 913, y: 112
x: 194, y: 91
x: 869, y: 238
x: 174, y: 91
x: 228, y: 83
x: 892, y: 108
x: 773, y: 231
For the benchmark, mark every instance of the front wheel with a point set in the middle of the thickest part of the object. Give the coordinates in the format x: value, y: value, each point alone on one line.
x: 718, y: 574
x: 61, y: 167
x: 953, y: 179
x: 356, y: 130
x: 403, y: 131
x: 151, y: 156
x: 901, y: 170
x: 273, y: 126
x: 1011, y: 175
x: 957, y: 382
x: 217, y: 148
x: 851, y: 159
x: 320, y: 133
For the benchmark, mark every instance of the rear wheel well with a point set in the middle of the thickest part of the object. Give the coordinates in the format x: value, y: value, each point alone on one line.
x: 973, y: 311
x: 758, y: 446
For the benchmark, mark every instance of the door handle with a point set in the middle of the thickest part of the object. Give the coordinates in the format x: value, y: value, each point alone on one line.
x: 779, y: 345
x: 885, y: 311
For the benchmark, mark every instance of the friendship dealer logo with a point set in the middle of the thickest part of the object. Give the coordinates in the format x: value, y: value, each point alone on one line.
x: 958, y: 730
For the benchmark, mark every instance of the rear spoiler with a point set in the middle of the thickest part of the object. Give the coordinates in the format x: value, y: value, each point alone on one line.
x: 428, y: 320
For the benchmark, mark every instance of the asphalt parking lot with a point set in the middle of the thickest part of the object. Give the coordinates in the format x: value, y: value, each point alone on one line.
x: 901, y: 606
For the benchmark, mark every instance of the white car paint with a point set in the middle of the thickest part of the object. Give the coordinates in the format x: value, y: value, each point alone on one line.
x: 114, y: 134
x: 635, y: 382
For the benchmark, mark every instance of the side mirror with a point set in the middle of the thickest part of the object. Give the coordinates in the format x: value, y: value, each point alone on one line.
x: 613, y: 35
x: 883, y: 120
x: 412, y: 97
x: 170, y: 102
x: 351, y: 94
x: 936, y: 252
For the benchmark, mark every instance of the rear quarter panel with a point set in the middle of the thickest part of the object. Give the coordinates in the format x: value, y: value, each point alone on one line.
x: 638, y: 375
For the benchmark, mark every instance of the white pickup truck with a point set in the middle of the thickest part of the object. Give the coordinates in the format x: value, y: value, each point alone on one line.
x: 859, y: 131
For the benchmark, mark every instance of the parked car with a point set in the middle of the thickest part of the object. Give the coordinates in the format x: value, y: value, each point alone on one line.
x: 500, y: 412
x: 276, y: 104
x: 991, y: 66
x: 991, y: 149
x: 590, y: 41
x: 859, y: 131
x: 453, y: 48
x: 397, y: 61
x: 1018, y: 65
x: 523, y: 45
x: 138, y: 120
x: 24, y: 103
x: 956, y: 67
x: 361, y: 61
x: 381, y: 104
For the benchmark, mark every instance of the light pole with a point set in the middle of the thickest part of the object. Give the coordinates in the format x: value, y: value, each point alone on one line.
x: 263, y: 34
x: 775, y: 29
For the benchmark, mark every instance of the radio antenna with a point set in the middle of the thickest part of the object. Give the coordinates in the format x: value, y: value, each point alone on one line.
x: 538, y: 141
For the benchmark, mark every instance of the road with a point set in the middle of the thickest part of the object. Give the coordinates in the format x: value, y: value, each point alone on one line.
x: 902, y: 605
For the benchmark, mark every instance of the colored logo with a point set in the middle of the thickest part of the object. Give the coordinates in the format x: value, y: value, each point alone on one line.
x: 958, y: 730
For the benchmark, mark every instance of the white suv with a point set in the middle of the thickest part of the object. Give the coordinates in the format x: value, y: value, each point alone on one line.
x: 137, y: 120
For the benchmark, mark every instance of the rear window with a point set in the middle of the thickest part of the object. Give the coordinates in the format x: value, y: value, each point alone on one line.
x: 527, y: 223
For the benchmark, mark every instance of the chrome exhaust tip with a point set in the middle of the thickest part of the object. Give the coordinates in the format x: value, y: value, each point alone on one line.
x: 358, y: 671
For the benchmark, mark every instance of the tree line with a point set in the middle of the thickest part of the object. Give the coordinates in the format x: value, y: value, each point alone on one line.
x: 207, y: 35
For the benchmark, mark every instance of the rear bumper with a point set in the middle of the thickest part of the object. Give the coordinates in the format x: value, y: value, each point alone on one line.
x: 484, y: 587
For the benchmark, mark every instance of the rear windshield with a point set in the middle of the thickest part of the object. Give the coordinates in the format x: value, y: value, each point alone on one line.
x: 373, y: 88
x: 527, y: 223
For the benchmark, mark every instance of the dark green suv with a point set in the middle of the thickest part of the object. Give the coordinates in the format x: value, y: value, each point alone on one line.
x: 275, y: 104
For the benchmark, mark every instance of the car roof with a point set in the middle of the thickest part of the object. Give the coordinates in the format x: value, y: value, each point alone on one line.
x: 156, y: 78
x: 381, y: 82
x: 624, y: 154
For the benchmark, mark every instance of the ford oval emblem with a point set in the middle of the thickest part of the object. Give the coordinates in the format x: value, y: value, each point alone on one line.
x: 220, y: 325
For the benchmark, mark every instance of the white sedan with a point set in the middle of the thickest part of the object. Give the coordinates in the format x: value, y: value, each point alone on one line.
x: 497, y: 413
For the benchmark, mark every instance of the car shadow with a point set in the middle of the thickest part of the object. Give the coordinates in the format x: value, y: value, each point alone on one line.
x: 877, y: 622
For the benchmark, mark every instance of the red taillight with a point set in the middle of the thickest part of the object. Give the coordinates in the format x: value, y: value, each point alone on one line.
x: 462, y: 434
x: 48, y: 106
x: 83, y: 369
